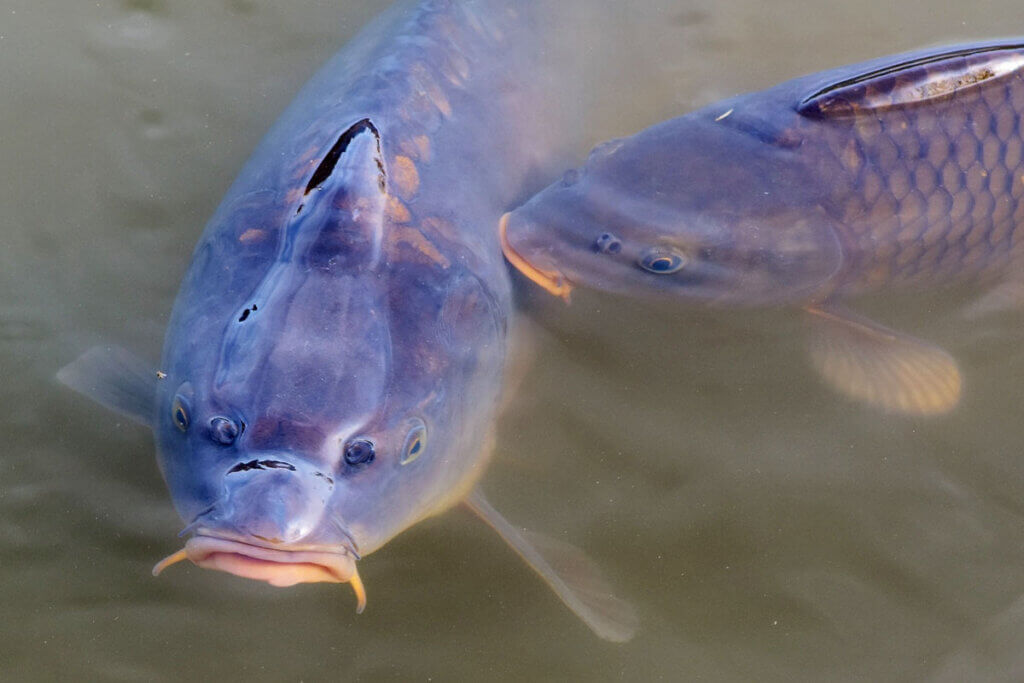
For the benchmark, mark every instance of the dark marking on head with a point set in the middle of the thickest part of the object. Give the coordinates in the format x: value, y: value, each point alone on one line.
x: 277, y: 465
x: 382, y: 177
x: 326, y: 167
x: 245, y: 314
x: 262, y: 465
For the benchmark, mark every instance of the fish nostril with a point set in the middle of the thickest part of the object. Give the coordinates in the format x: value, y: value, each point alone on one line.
x: 224, y: 431
x: 607, y: 243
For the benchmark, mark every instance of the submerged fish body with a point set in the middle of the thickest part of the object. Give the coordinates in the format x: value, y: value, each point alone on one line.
x: 334, y: 359
x: 903, y: 172
x: 344, y: 293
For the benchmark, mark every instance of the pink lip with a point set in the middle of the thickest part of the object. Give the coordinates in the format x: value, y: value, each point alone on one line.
x: 276, y: 567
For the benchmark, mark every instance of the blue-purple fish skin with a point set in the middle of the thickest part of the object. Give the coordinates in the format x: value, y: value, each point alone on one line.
x: 333, y: 363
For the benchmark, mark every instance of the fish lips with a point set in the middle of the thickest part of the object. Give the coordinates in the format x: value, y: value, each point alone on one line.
x: 279, y: 567
x: 538, y: 267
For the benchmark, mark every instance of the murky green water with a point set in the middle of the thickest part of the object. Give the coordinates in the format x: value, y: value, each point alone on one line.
x: 766, y: 528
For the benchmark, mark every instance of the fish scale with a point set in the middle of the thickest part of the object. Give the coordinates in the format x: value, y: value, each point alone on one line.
x: 927, y: 189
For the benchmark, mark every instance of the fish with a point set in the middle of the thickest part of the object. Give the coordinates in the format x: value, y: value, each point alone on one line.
x: 903, y: 173
x: 335, y: 357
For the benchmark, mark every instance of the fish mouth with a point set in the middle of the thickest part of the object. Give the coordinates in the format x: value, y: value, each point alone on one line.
x: 276, y: 566
x: 548, y: 278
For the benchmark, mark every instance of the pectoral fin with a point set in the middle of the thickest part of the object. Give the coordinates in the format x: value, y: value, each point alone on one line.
x: 890, y: 370
x: 568, y: 572
x: 116, y: 379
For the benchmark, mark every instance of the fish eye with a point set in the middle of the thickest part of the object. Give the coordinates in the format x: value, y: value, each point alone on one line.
x: 359, y: 452
x: 607, y: 243
x: 180, y: 412
x: 415, y: 443
x: 661, y: 261
x: 224, y: 430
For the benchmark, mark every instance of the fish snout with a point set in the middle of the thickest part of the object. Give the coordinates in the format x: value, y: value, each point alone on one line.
x: 272, y: 524
x: 274, y: 501
x: 527, y: 252
x: 278, y: 567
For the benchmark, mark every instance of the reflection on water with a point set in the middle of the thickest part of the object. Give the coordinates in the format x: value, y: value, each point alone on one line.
x: 764, y: 527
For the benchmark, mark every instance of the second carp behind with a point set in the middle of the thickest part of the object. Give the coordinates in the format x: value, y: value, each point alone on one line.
x: 901, y: 173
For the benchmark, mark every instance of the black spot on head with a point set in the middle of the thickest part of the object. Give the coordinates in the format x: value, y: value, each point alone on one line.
x: 329, y: 480
x: 245, y: 314
x: 330, y: 160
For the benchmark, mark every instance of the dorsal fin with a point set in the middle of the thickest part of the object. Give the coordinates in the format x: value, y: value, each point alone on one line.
x: 915, y: 79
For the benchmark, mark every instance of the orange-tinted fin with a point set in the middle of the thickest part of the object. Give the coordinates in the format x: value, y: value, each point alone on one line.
x: 360, y: 590
x: 554, y: 283
x: 568, y: 571
x: 173, y: 558
x: 891, y: 371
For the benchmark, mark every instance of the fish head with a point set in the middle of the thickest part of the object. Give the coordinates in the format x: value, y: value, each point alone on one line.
x: 255, y: 421
x: 682, y: 211
x: 333, y: 396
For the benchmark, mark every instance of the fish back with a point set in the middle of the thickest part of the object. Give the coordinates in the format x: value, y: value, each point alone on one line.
x: 923, y: 153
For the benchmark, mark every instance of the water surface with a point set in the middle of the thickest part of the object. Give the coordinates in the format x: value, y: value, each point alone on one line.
x: 765, y: 528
